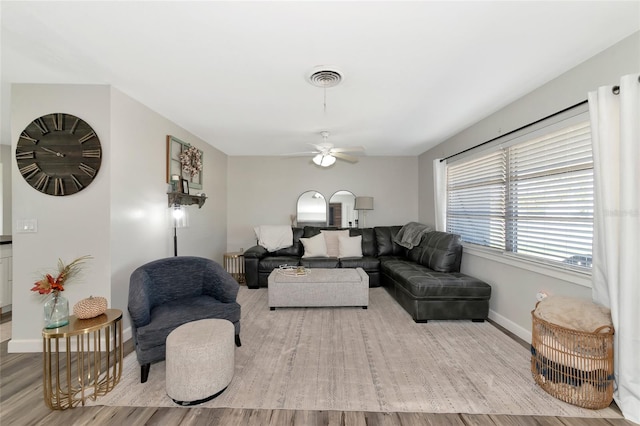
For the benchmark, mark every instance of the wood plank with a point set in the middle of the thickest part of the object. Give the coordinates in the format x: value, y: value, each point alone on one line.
x: 22, y: 401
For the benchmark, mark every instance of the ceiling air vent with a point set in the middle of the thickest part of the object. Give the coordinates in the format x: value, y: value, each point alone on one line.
x: 322, y: 77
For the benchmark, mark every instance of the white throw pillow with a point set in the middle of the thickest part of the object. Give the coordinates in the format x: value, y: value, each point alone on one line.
x: 331, y: 240
x: 350, y: 246
x: 314, y: 246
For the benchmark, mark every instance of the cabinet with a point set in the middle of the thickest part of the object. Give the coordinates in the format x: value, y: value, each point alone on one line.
x: 6, y: 274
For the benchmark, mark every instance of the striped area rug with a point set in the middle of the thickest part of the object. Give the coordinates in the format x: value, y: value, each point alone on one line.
x: 353, y: 359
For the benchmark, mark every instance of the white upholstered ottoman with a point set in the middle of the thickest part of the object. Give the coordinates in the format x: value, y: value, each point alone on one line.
x: 199, y: 360
x: 320, y: 287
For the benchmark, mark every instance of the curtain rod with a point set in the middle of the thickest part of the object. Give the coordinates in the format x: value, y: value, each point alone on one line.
x: 516, y: 130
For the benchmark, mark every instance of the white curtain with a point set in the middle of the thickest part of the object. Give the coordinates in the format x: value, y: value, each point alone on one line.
x: 440, y: 193
x: 615, y: 121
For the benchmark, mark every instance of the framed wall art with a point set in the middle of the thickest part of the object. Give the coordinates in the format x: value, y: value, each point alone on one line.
x: 184, y: 160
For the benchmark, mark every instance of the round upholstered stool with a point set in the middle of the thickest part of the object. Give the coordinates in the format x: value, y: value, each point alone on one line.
x: 199, y: 360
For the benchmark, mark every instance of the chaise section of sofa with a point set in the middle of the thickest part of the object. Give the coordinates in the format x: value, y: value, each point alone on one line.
x: 428, y: 283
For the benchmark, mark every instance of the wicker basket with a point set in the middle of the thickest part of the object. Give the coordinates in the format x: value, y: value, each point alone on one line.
x: 573, y: 366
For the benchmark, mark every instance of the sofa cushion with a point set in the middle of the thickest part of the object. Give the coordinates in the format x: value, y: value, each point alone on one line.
x: 369, y: 247
x: 331, y: 240
x: 320, y: 262
x: 440, y: 251
x: 422, y: 282
x: 314, y: 246
x: 384, y: 236
x: 368, y: 263
x: 310, y: 231
x: 269, y: 263
x: 350, y: 246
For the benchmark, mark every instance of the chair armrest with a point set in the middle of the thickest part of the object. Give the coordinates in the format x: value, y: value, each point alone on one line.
x: 139, y: 304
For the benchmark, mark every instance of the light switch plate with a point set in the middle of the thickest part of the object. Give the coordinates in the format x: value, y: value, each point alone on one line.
x: 27, y: 225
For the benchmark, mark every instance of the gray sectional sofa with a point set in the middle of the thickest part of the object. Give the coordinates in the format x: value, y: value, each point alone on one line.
x: 425, y: 280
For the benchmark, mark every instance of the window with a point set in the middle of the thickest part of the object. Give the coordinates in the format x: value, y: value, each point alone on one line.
x: 531, y: 196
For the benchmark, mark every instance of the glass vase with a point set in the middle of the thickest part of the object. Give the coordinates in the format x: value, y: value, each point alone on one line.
x: 56, y: 310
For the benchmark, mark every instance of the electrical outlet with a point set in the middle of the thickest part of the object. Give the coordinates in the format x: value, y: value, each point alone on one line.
x: 27, y: 225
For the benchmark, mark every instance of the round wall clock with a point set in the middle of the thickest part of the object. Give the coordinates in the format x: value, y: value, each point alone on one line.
x: 59, y: 154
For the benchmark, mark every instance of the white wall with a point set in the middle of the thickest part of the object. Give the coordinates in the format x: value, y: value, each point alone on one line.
x: 264, y: 190
x: 68, y: 227
x: 514, y: 288
x: 120, y: 219
x: 6, y: 158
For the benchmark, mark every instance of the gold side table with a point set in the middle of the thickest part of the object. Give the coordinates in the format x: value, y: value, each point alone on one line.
x: 234, y: 264
x: 82, y: 360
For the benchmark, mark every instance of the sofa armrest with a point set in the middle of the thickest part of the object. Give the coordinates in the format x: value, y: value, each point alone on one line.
x: 257, y: 252
x: 252, y: 258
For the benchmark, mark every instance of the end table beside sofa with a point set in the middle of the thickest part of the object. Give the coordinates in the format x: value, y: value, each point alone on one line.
x: 425, y: 280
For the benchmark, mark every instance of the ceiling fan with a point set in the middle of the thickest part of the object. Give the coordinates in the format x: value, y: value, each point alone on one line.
x: 325, y: 154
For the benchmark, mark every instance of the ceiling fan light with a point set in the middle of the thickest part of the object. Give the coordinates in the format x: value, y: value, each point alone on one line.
x: 324, y: 160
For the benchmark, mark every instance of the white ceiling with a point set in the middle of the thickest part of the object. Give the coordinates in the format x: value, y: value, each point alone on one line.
x: 234, y: 73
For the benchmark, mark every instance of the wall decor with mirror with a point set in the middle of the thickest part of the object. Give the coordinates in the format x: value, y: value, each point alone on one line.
x: 176, y: 147
x: 341, y: 212
x: 311, y: 209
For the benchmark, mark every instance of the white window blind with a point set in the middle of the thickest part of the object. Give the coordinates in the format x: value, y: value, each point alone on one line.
x: 476, y: 200
x: 532, y: 198
x: 550, y: 197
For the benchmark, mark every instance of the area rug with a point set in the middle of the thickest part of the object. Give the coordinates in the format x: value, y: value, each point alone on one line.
x: 352, y: 359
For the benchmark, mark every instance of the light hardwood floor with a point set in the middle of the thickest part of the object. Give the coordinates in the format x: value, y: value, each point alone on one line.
x: 21, y: 403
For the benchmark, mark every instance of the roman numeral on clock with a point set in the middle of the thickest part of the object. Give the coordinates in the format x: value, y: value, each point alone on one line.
x: 58, y: 121
x: 25, y: 135
x: 87, y: 169
x: 42, y: 182
x: 29, y: 171
x: 76, y: 182
x: 59, y: 187
x: 23, y: 155
x: 72, y: 130
x: 87, y: 137
x: 91, y: 153
x: 39, y: 122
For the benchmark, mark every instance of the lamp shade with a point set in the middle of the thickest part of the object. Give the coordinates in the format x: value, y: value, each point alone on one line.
x: 179, y: 216
x: 363, y: 203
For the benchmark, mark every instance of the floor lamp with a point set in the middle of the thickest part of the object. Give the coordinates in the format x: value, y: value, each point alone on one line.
x: 180, y: 220
x: 364, y: 204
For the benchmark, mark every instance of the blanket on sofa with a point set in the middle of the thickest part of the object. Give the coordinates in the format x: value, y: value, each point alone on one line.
x: 274, y: 237
x: 411, y: 234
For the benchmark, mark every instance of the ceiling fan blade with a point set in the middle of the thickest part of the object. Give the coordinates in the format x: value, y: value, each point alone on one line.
x: 348, y: 149
x: 346, y: 157
x: 301, y: 154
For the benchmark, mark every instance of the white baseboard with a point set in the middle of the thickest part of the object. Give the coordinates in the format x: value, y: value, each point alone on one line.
x: 35, y: 345
x: 519, y: 331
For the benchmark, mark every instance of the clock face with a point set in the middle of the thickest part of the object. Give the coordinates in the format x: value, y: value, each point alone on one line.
x: 59, y: 154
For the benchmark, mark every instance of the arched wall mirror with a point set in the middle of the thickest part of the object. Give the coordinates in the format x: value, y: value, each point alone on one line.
x: 341, y: 212
x: 312, y: 209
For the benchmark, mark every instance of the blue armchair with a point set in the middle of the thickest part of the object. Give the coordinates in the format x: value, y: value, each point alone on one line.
x: 167, y: 293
